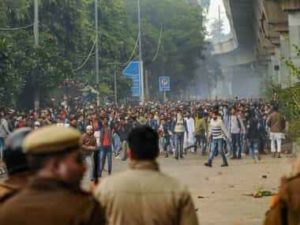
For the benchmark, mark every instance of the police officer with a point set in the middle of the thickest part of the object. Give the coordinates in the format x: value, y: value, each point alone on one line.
x: 16, y: 164
x: 285, y: 207
x: 54, y: 195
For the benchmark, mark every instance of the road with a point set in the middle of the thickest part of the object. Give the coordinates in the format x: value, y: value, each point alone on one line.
x: 219, y: 193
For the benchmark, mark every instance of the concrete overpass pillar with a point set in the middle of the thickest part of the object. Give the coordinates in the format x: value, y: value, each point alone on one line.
x: 294, y: 33
x: 294, y: 30
x: 285, y: 53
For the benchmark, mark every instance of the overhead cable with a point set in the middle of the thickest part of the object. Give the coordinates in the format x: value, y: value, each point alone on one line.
x: 15, y: 28
x: 158, y: 44
x: 87, y: 58
x: 133, y: 52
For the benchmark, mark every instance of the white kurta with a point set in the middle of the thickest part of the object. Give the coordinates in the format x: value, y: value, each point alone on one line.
x: 189, y: 138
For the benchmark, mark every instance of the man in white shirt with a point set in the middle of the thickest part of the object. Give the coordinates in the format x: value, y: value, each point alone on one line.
x: 189, y: 135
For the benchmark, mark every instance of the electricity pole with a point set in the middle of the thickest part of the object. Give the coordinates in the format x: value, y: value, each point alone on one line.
x: 141, y: 70
x: 36, y: 44
x: 115, y: 85
x: 97, y: 51
x: 36, y: 23
x: 220, y: 22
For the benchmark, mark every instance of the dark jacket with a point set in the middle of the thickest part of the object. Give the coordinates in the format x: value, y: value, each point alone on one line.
x: 253, y: 128
x: 153, y: 124
x: 123, y: 131
x: 276, y: 122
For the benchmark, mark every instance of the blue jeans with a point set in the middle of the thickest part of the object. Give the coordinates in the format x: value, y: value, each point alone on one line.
x: 2, y: 142
x: 200, y: 140
x: 105, y: 152
x: 217, y: 146
x: 166, y: 143
x: 253, y: 147
x: 179, y: 144
x: 116, y: 144
x: 243, y: 142
x: 172, y: 141
x: 236, y: 145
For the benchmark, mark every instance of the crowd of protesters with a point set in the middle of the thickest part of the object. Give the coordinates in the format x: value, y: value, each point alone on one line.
x: 48, y: 163
x: 229, y: 128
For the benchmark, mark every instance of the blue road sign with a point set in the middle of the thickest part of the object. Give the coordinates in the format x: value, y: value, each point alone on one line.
x: 132, y: 69
x: 136, y: 85
x: 164, y: 84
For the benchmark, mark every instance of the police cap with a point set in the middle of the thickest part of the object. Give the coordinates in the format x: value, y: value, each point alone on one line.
x: 51, y: 140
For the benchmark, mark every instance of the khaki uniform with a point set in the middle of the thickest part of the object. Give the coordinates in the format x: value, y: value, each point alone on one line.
x: 286, y: 208
x: 13, y: 185
x: 50, y: 202
x: 144, y: 195
x: 7, y: 190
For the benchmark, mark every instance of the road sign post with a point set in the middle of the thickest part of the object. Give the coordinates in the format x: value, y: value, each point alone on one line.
x: 164, y: 85
x: 133, y: 71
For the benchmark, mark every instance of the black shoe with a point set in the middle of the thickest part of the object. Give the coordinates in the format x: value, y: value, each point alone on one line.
x: 225, y: 165
x: 279, y: 156
x: 166, y: 155
x: 181, y: 157
x: 233, y: 157
x: 207, y: 164
x: 176, y: 157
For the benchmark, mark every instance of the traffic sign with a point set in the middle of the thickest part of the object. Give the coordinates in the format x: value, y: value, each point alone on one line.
x: 136, y: 85
x: 132, y: 69
x: 164, y: 84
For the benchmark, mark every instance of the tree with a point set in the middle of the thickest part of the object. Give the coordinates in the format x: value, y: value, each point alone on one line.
x: 217, y: 31
x: 66, y: 36
x: 172, y: 37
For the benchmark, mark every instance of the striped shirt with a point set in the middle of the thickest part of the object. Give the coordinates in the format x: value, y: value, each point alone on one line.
x: 217, y: 129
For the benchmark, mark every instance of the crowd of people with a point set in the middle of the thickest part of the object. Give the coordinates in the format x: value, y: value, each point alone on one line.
x: 48, y: 153
x: 229, y: 128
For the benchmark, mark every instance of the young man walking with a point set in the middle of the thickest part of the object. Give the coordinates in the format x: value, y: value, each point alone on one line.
x: 216, y: 134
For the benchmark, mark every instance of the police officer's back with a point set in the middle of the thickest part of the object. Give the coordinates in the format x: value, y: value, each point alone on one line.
x: 54, y: 195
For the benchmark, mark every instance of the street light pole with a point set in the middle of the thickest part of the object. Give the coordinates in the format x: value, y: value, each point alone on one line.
x: 36, y: 44
x: 115, y: 85
x: 97, y: 51
x: 36, y: 23
x: 141, y: 70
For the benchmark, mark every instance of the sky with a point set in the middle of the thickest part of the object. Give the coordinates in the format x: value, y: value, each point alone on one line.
x: 213, y: 14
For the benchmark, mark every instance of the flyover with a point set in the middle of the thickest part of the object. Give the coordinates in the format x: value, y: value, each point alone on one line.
x: 263, y: 32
